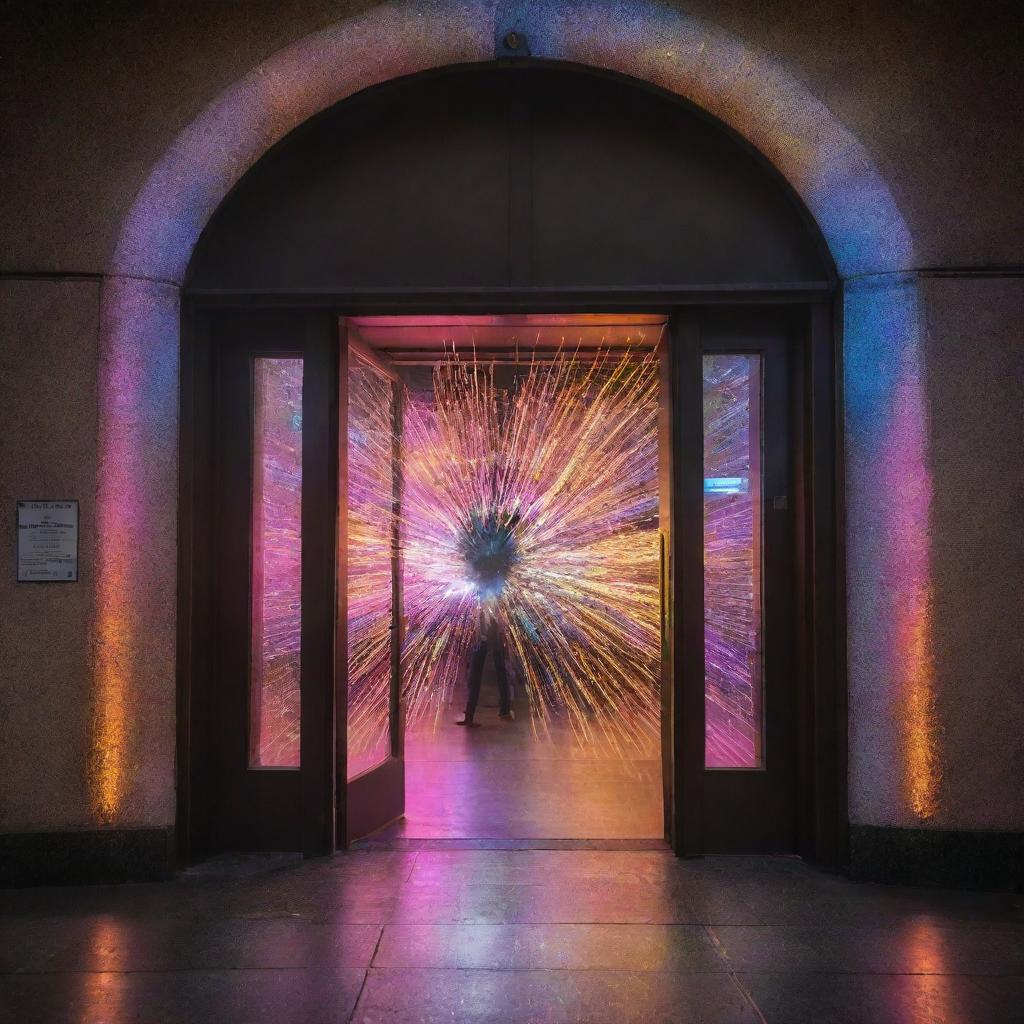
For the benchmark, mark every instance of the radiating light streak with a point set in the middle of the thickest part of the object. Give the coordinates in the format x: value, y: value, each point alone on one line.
x: 566, y: 451
x: 370, y: 526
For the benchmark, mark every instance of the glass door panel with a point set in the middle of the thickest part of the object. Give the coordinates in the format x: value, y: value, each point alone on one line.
x: 372, y: 525
x: 733, y: 682
x: 276, y: 615
x: 370, y: 569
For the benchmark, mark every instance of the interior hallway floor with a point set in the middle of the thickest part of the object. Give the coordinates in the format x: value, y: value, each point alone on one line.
x: 537, y: 936
x: 501, y: 780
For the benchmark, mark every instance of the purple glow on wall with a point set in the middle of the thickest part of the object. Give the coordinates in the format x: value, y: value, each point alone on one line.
x: 894, y: 728
x: 136, y: 555
x: 276, y: 629
x: 746, y: 88
x: 732, y: 562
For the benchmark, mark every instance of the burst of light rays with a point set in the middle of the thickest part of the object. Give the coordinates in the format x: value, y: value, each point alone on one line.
x: 563, y: 456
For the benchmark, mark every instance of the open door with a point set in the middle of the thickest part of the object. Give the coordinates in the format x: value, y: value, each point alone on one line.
x: 370, y: 586
x: 664, y: 353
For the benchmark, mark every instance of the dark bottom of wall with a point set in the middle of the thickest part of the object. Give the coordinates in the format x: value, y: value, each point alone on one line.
x: 907, y: 856
x: 956, y: 860
x: 82, y: 858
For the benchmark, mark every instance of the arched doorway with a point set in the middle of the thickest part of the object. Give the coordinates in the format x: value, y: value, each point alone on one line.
x: 490, y: 191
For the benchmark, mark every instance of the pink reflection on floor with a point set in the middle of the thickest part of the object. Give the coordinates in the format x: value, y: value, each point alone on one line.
x: 502, y: 780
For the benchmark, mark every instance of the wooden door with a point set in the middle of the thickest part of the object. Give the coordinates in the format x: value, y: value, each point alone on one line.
x: 736, y: 736
x: 271, y: 667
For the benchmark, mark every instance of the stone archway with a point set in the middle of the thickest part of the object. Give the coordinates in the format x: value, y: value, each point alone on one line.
x: 893, y: 761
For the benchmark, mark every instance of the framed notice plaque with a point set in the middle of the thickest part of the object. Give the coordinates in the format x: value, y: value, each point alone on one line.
x: 47, y: 541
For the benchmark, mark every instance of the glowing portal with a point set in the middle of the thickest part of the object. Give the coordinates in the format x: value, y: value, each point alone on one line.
x: 532, y: 491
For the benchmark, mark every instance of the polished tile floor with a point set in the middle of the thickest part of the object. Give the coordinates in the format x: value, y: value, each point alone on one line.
x: 508, y: 780
x: 539, y: 935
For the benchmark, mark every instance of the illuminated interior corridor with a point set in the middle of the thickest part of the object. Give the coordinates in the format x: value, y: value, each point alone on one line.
x: 513, y: 464
x: 501, y: 782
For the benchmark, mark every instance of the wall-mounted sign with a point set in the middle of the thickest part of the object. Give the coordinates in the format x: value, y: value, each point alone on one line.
x: 47, y: 541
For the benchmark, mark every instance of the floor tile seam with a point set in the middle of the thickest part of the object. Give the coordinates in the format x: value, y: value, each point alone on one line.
x: 515, y: 923
x: 533, y: 761
x: 747, y: 995
x: 412, y: 867
x: 672, y: 971
x: 376, y: 945
x: 359, y: 995
x: 538, y: 924
x: 185, y: 970
x: 666, y: 971
x: 556, y: 884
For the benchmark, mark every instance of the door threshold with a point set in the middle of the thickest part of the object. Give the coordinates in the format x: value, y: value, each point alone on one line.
x: 407, y: 843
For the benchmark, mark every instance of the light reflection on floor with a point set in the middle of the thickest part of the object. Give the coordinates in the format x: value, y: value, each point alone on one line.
x: 501, y: 781
x: 482, y: 936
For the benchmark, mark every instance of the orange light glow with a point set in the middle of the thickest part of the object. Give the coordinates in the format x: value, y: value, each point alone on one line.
x: 922, y: 766
x: 109, y: 724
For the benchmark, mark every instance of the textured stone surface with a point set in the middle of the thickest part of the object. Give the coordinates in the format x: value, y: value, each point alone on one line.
x: 892, y: 770
x: 132, y: 736
x: 974, y: 373
x: 935, y: 427
x: 86, y: 856
x: 749, y: 90
x: 113, y: 85
x: 258, y: 939
x: 48, y: 332
x: 853, y: 104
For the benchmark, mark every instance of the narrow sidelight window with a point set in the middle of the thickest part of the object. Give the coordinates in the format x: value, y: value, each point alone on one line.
x: 276, y: 625
x: 733, y: 675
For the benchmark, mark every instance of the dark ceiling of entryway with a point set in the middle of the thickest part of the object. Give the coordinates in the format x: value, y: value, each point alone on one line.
x: 501, y: 177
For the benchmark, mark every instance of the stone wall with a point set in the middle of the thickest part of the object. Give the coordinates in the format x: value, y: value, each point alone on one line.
x: 48, y: 342
x: 94, y: 95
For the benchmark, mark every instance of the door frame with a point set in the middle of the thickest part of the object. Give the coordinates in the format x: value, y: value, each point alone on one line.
x: 819, y: 641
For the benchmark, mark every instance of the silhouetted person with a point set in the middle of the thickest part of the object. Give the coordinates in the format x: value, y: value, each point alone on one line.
x: 490, y: 549
x: 491, y: 640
